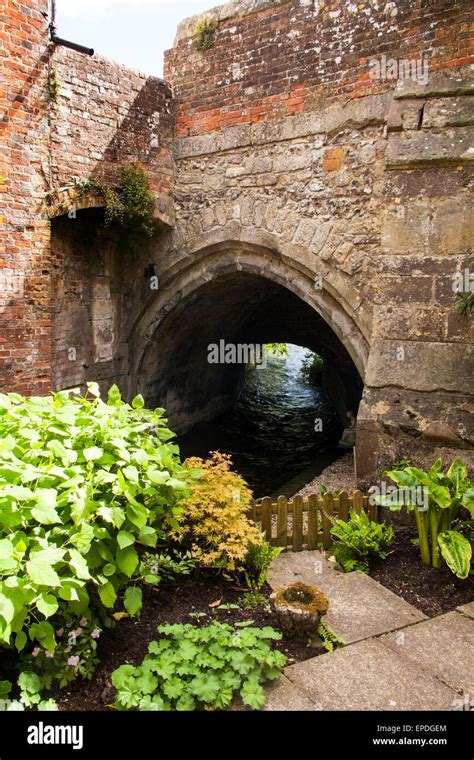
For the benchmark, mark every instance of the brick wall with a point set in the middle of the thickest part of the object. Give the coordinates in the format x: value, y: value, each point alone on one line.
x: 279, y: 58
x: 25, y: 321
x: 63, y: 117
x: 105, y: 117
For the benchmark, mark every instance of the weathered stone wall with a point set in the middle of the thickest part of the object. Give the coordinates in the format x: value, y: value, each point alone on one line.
x: 104, y: 117
x: 419, y: 385
x: 287, y: 146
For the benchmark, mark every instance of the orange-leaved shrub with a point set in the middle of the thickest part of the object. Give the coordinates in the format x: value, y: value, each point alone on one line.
x: 214, y: 522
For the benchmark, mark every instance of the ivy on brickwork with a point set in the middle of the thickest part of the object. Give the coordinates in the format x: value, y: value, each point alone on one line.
x: 53, y: 86
x: 130, y: 204
x: 204, y: 34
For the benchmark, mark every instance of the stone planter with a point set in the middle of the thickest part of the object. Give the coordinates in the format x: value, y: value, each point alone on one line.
x: 299, y: 609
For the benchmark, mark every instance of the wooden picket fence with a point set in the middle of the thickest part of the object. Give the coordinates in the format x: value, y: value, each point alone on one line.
x: 310, y: 520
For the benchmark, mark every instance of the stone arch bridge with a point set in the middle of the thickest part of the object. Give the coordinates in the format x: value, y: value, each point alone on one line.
x: 297, y: 199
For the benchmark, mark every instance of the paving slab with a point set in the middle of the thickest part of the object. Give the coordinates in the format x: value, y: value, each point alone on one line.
x: 293, y: 567
x: 442, y: 646
x: 359, y: 607
x: 369, y: 676
x: 467, y: 609
x: 283, y: 695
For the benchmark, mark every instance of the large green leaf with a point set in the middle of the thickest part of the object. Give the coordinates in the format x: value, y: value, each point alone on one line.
x: 457, y: 552
x: 133, y: 600
x: 79, y: 564
x: 457, y: 473
x: 107, y: 595
x: 125, y: 538
x: 93, y: 453
x: 127, y: 560
x: 44, y: 633
x: 41, y: 572
x: 403, y: 478
x: 47, y: 604
x: 441, y: 495
x: 136, y: 513
x: 253, y: 694
x: 468, y: 500
x: 45, y: 512
x: 7, y: 609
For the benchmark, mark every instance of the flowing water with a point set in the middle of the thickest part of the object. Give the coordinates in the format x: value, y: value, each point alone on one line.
x: 271, y: 432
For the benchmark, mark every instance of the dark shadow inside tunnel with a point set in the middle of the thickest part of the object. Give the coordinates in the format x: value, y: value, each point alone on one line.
x: 203, y: 400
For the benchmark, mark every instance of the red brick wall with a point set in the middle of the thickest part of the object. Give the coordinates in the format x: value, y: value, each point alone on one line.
x: 288, y: 56
x: 101, y: 118
x: 25, y: 323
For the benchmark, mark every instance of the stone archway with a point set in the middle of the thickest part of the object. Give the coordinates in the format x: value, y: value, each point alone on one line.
x: 243, y: 293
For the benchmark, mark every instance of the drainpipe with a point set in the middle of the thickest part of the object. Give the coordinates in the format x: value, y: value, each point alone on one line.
x: 64, y: 43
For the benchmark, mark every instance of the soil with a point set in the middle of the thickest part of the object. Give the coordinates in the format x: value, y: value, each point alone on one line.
x: 430, y: 590
x: 171, y: 602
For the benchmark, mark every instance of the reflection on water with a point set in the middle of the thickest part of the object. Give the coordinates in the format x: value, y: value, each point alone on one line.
x: 271, y: 432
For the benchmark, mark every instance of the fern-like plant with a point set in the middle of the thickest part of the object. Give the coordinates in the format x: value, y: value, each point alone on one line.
x: 358, y: 540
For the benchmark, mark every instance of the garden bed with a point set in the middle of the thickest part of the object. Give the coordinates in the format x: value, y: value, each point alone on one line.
x: 171, y: 602
x: 430, y: 590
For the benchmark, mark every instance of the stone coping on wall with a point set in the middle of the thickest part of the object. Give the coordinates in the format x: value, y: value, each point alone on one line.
x: 235, y: 9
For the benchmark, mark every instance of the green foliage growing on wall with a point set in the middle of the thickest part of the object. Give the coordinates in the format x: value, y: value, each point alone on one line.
x: 53, y: 86
x: 204, y: 34
x: 131, y: 204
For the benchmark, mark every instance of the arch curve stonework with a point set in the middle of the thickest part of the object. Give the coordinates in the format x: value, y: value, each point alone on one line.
x: 215, y: 259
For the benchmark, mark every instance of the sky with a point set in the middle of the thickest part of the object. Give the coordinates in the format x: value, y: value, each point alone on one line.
x: 133, y: 32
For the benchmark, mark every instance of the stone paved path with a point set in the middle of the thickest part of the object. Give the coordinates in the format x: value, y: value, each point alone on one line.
x: 394, y: 657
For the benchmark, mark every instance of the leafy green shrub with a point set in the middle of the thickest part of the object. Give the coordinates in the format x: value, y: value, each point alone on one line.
x: 30, y: 687
x: 132, y: 203
x: 439, y: 527
x: 329, y: 639
x: 278, y: 349
x: 214, y: 521
x: 358, y: 540
x: 83, y: 485
x: 196, y: 668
